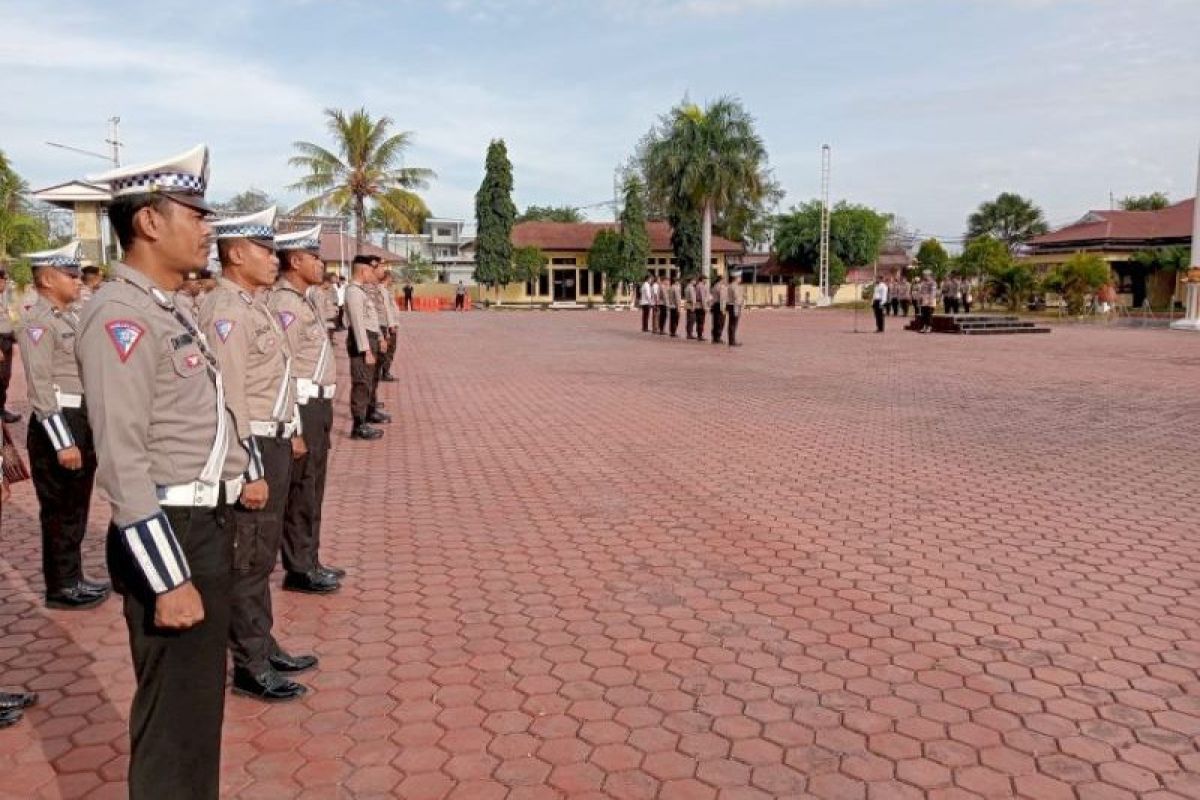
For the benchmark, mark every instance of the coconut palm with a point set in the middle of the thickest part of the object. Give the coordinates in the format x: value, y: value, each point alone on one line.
x: 399, y: 211
x: 20, y: 230
x: 710, y: 159
x: 361, y: 169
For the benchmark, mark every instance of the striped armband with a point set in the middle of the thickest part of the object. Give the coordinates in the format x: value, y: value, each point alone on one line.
x: 298, y: 420
x: 256, y: 471
x: 156, y: 551
x: 59, y: 432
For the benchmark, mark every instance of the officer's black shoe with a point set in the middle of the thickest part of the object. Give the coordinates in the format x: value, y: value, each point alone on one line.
x: 388, y: 379
x: 269, y: 687
x: 378, y: 417
x: 365, y: 431
x: 291, y: 665
x: 95, y: 587
x: 16, y: 701
x: 9, y: 417
x: 74, y: 598
x: 315, y: 582
x: 10, y: 716
x: 336, y: 572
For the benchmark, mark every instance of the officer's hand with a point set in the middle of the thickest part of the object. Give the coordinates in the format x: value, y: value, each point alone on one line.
x: 299, y: 448
x: 383, y: 345
x: 369, y: 358
x: 254, y: 495
x: 70, y: 458
x: 179, y: 608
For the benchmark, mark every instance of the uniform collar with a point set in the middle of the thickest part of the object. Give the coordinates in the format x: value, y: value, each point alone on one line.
x: 284, y: 285
x: 225, y: 283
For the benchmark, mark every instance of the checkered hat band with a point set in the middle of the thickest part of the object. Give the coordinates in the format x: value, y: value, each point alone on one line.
x: 245, y: 232
x: 299, y: 244
x: 55, y: 261
x: 182, y: 182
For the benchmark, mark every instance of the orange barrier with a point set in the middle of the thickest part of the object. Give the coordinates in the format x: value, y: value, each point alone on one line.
x: 435, y: 303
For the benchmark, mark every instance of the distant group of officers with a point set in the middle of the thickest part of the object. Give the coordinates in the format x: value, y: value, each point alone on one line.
x: 894, y: 295
x: 663, y: 303
x: 203, y: 407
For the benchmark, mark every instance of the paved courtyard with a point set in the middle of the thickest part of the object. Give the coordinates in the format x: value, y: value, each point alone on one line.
x: 589, y: 562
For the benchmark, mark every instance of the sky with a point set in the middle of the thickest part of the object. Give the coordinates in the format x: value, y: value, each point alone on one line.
x: 929, y: 106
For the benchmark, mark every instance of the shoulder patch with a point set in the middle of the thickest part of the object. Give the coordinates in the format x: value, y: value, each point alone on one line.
x: 36, y: 332
x: 223, y: 328
x: 124, y: 334
x: 286, y: 318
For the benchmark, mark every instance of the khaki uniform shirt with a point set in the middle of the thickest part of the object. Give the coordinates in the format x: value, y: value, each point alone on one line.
x: 927, y: 292
x: 720, y: 295
x: 253, y: 355
x: 300, y: 319
x: 736, y: 294
x: 6, y: 320
x: 377, y: 295
x: 703, y: 296
x: 363, y: 318
x: 390, y: 309
x: 47, y: 340
x: 156, y: 407
x: 689, y: 296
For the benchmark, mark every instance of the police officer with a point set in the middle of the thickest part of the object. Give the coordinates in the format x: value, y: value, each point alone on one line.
x: 389, y: 317
x: 7, y: 339
x: 703, y: 300
x: 362, y: 344
x: 720, y: 298
x: 674, y: 301
x: 256, y: 362
x: 735, y: 303
x: 168, y: 461
x: 295, y: 301
x: 62, y: 458
x: 383, y: 361
x: 689, y: 303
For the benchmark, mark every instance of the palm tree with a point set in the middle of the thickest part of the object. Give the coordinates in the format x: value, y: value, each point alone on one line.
x: 1010, y: 218
x: 362, y: 170
x: 709, y: 159
x: 20, y: 230
x: 399, y: 211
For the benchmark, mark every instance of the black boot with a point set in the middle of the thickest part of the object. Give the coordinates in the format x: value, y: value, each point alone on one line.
x: 364, y: 431
x: 74, y: 598
x: 9, y: 717
x: 292, y: 665
x: 335, y: 572
x: 17, y: 701
x: 378, y: 417
x: 314, y: 582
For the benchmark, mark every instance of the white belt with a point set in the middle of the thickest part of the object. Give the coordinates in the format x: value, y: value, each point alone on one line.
x: 199, y: 494
x: 274, y: 430
x: 307, y: 390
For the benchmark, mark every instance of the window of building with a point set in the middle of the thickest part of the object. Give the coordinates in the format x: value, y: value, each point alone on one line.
x: 585, y: 282
x: 544, y: 283
x: 563, y: 261
x: 447, y: 232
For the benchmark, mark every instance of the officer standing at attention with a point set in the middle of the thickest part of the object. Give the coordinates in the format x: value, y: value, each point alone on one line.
x: 255, y: 360
x: 168, y: 462
x: 62, y: 458
x: 703, y: 299
x: 362, y: 344
x: 720, y: 298
x: 735, y: 304
x: 295, y: 302
x: 383, y: 359
x: 689, y: 302
x: 879, y: 302
x: 674, y: 301
x: 390, y: 319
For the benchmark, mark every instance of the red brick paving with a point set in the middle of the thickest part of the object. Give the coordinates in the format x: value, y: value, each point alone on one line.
x: 587, y: 562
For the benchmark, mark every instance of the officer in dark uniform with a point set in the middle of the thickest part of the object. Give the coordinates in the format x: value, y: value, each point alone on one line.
x: 62, y: 458
x: 168, y: 462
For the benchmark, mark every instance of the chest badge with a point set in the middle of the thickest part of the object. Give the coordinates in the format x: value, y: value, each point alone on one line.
x: 124, y: 335
x: 223, y: 327
x: 286, y: 318
x: 193, y: 360
x: 36, y: 332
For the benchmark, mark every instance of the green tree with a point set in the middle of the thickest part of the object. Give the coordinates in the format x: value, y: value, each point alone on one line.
x: 1010, y: 218
x: 550, y: 214
x: 687, y: 240
x: 246, y: 202
x: 528, y: 265
x: 359, y: 171
x: 1078, y: 276
x: 984, y: 257
x: 707, y: 161
x: 1162, y: 266
x: 1013, y: 283
x: 634, y: 244
x: 21, y: 230
x: 606, y: 257
x: 1145, y: 202
x: 418, y: 269
x: 404, y: 212
x: 856, y: 235
x: 933, y: 257
x: 494, y: 218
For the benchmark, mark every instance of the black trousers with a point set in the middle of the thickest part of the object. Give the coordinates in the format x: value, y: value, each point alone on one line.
x: 904, y: 304
x: 362, y: 378
x: 699, y: 313
x: 662, y: 319
x: 718, y: 323
x: 895, y: 303
x: 179, y: 704
x: 691, y: 324
x: 64, y: 497
x: 732, y: 318
x: 877, y: 307
x: 256, y: 548
x: 6, y: 348
x: 673, y: 316
x: 459, y: 302
x: 302, y: 517
x: 384, y: 363
x: 408, y: 301
x: 966, y: 306
x: 926, y: 317
x: 645, y: 319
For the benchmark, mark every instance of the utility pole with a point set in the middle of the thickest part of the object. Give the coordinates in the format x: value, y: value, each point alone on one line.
x: 824, y: 297
x: 114, y: 139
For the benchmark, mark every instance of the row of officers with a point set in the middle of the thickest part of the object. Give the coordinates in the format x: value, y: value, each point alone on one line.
x: 205, y: 418
x: 664, y: 302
